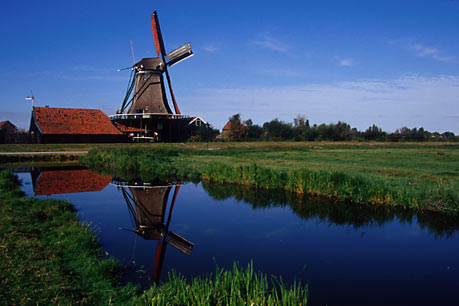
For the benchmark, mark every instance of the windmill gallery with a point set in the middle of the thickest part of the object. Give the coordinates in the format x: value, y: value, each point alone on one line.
x: 144, y: 116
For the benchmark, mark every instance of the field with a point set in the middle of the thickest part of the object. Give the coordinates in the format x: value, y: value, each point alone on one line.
x: 418, y: 163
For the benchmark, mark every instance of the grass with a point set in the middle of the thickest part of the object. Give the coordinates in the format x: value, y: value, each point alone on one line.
x: 47, y: 257
x: 420, y: 176
x: 236, y: 287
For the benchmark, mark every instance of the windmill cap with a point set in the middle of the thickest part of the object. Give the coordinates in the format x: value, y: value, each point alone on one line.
x: 150, y: 63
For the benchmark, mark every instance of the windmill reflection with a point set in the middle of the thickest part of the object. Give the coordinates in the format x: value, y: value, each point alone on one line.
x: 147, y: 205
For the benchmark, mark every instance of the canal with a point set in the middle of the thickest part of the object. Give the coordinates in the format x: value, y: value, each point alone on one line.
x: 347, y: 254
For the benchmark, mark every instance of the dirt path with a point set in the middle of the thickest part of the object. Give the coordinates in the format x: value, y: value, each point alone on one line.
x: 44, y: 153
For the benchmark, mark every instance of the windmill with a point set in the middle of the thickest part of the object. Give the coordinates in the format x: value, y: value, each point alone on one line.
x: 146, y: 91
x: 145, y: 114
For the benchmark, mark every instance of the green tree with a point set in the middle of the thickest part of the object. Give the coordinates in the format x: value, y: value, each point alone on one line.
x: 253, y: 131
x: 301, y: 127
x: 374, y: 133
x: 278, y: 130
x: 206, y: 133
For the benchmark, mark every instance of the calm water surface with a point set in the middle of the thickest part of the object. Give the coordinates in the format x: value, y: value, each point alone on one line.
x: 348, y: 254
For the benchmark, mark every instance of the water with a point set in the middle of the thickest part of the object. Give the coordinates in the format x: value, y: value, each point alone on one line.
x: 348, y: 254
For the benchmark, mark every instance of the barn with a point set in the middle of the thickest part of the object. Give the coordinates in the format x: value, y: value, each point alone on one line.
x: 72, y: 125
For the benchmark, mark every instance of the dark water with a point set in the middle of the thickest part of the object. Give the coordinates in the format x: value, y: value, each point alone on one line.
x: 348, y: 254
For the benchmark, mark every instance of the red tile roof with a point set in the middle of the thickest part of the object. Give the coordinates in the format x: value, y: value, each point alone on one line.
x: 70, y: 181
x: 52, y: 120
x: 227, y: 126
x: 2, y: 123
x: 127, y: 129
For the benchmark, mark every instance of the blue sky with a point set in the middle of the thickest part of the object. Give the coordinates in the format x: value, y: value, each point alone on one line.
x: 389, y: 63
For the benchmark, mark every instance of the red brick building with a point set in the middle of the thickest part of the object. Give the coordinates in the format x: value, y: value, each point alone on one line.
x: 72, y: 125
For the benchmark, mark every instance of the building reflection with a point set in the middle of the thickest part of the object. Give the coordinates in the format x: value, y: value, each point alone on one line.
x: 60, y: 180
x: 148, y: 204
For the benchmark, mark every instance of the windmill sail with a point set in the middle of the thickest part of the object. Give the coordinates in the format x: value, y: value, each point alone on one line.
x: 157, y: 37
x: 179, y: 54
x: 159, y: 45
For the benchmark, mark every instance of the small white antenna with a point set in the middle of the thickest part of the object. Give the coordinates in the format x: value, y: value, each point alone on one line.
x: 132, y: 51
x: 30, y: 98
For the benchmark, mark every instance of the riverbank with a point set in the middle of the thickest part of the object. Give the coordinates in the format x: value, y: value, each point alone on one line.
x: 47, y: 257
x: 423, y: 177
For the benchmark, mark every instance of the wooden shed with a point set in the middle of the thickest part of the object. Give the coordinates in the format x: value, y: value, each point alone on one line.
x: 8, y: 132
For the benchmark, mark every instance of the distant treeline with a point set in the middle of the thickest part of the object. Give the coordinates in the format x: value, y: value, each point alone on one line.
x: 302, y: 130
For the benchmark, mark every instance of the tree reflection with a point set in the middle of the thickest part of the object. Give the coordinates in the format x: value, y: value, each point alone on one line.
x: 335, y: 211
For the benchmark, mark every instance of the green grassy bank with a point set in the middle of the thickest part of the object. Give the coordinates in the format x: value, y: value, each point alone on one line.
x: 47, y: 257
x: 423, y: 177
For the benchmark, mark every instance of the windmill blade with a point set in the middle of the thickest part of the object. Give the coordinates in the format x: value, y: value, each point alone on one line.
x: 179, y: 54
x: 132, y: 52
x: 157, y: 37
x: 160, y: 50
x: 177, y: 111
x: 180, y: 243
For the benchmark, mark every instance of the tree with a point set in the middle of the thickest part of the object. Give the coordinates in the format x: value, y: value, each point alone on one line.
x: 237, y: 130
x: 206, y: 133
x: 373, y: 133
x: 253, y: 131
x: 301, y: 127
x: 278, y: 130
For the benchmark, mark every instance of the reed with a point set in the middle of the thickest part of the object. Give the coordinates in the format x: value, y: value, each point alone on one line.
x: 238, y: 286
x: 336, y: 184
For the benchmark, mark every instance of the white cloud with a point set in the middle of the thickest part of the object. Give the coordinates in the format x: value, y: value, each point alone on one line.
x: 81, y: 73
x: 91, y: 69
x: 425, y: 51
x: 210, y: 48
x: 269, y: 42
x: 276, y: 70
x: 345, y: 62
x: 412, y: 101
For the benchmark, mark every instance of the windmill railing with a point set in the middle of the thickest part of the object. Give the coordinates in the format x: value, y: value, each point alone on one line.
x: 148, y: 115
x: 141, y: 185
